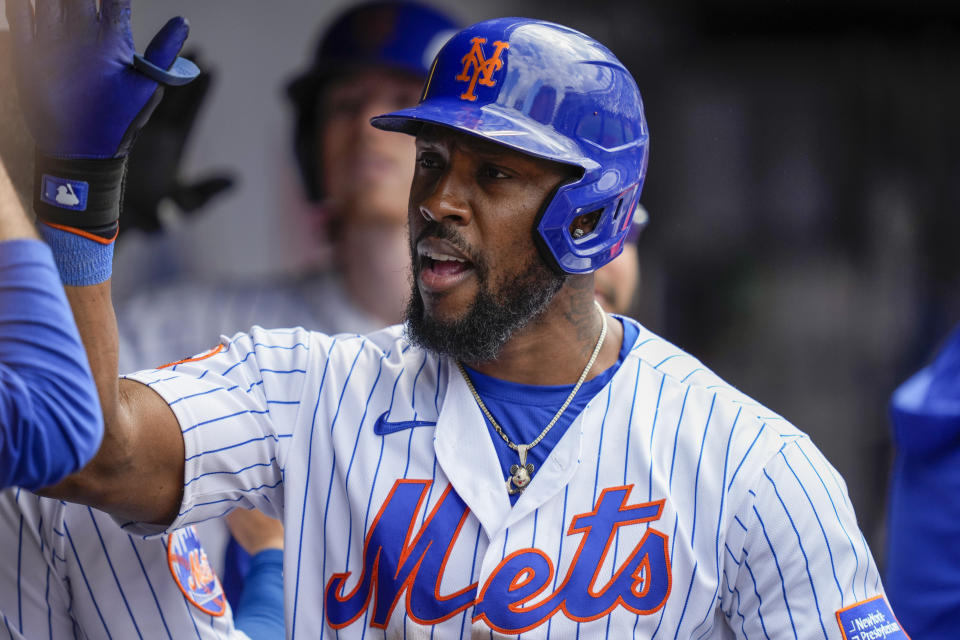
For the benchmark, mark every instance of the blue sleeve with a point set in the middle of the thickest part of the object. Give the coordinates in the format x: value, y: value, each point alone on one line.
x: 49, y: 409
x: 260, y: 612
x: 923, y: 508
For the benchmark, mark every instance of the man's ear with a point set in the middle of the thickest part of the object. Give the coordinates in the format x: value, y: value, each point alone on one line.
x: 16, y: 145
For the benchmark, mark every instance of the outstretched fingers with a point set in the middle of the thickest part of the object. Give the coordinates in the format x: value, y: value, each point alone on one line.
x: 80, y: 14
x: 115, y: 14
x: 50, y: 22
x: 166, y: 45
x: 20, y: 17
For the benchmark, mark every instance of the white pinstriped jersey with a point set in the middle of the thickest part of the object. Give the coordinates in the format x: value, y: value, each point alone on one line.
x: 176, y: 321
x: 673, y: 506
x: 70, y: 572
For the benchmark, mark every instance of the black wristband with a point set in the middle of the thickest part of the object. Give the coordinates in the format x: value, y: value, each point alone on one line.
x: 83, y: 193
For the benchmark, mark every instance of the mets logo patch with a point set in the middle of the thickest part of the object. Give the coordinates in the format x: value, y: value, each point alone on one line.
x: 192, y: 571
x: 870, y: 620
x: 478, y: 68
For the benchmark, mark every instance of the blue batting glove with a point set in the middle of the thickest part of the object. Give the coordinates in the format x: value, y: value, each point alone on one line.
x: 82, y: 93
x: 85, y: 94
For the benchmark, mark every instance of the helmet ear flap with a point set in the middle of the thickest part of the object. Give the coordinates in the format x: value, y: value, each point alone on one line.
x: 582, y: 230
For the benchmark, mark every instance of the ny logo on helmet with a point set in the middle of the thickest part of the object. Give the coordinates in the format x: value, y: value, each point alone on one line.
x: 481, y: 65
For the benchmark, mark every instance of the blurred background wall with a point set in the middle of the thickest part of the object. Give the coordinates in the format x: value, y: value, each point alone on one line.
x: 803, y: 188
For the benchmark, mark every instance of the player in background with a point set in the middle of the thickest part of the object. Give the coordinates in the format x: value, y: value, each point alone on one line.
x: 656, y: 497
x: 71, y: 569
x: 49, y: 409
x: 923, y: 558
x: 617, y: 283
x: 372, y: 58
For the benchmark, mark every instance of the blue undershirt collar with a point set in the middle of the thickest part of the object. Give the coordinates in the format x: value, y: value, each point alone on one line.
x: 523, y: 410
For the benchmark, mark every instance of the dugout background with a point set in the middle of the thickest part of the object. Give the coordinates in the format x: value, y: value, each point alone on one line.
x: 803, y: 188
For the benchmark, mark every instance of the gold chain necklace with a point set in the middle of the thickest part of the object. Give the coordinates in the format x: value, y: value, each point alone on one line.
x: 521, y: 474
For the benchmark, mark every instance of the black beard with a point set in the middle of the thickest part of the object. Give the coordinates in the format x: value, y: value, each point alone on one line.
x: 494, y: 316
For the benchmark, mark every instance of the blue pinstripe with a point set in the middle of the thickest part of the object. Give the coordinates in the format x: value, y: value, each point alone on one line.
x: 186, y: 605
x: 237, y: 363
x: 776, y: 561
x: 233, y: 446
x: 856, y: 556
x: 46, y: 599
x: 803, y: 552
x: 251, y: 489
x: 353, y: 454
x: 664, y: 361
x: 746, y: 455
x: 83, y: 574
x: 676, y: 436
x: 433, y: 482
x: 696, y: 491
x: 753, y: 579
x: 19, y: 569
x: 833, y: 566
x: 683, y: 612
x: 603, y: 424
x: 723, y: 496
x: 226, y: 417
x: 673, y: 545
x: 230, y: 473
x: 333, y: 466
x: 866, y: 569
x: 556, y: 575
x: 736, y: 592
x: 696, y: 477
x: 113, y: 571
x: 473, y: 573
x: 153, y: 593
x: 313, y: 426
x: 653, y: 428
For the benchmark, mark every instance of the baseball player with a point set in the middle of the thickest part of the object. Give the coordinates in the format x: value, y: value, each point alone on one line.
x: 49, y: 411
x: 70, y: 570
x: 512, y: 461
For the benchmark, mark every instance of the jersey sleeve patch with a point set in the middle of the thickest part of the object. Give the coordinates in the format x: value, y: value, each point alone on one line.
x: 192, y: 572
x: 870, y: 620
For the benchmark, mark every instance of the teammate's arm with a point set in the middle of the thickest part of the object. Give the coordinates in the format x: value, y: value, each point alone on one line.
x: 50, y: 423
x: 259, y: 612
x: 84, y: 98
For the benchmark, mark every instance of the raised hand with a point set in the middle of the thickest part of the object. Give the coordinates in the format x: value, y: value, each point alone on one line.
x: 81, y: 93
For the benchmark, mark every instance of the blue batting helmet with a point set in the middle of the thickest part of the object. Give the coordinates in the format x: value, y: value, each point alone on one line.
x: 554, y: 93
x: 400, y: 35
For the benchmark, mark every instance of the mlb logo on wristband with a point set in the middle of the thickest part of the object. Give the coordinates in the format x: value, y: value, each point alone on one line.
x: 66, y: 194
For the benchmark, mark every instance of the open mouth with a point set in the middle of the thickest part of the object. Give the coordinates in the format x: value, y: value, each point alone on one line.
x: 442, y: 266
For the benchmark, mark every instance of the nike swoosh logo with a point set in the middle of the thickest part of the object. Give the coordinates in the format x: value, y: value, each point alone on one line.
x: 382, y: 426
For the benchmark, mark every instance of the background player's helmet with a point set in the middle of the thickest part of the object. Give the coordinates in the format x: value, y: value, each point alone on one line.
x: 554, y: 93
x: 399, y: 35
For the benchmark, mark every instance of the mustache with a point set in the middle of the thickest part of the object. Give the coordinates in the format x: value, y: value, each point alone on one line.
x: 443, y: 232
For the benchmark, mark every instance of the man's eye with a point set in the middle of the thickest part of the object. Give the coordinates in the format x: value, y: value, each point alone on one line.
x: 428, y: 161
x: 493, y: 172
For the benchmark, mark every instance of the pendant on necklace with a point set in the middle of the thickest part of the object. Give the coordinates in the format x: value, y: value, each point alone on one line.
x: 520, y: 474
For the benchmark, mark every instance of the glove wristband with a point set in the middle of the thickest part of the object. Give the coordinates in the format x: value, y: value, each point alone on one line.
x: 83, y: 194
x: 82, y: 259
